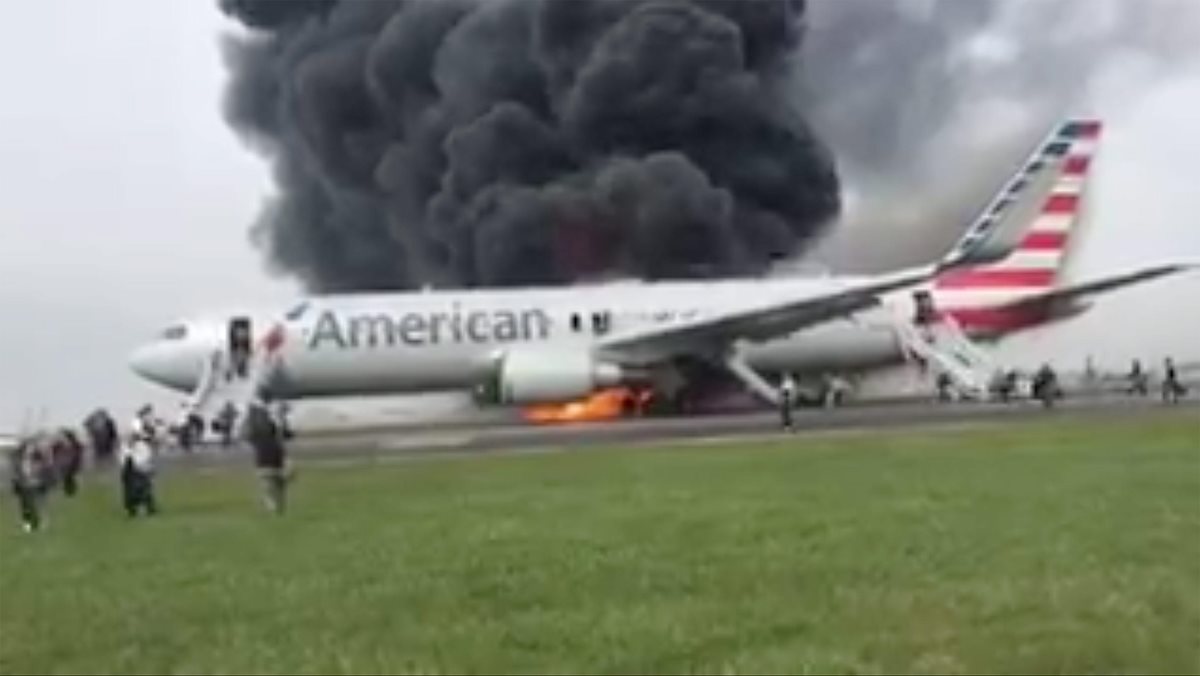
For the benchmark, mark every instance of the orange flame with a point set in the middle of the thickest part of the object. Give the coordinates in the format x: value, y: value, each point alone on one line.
x: 607, y: 404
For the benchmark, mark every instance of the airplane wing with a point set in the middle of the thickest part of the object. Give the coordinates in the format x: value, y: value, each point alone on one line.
x: 710, y: 335
x: 714, y: 334
x: 1073, y: 292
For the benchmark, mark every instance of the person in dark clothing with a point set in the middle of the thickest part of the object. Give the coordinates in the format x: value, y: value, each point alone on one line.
x: 943, y: 383
x: 1137, y: 380
x: 240, y: 349
x: 1004, y: 385
x: 185, y: 431
x: 1172, y: 389
x: 1045, y: 385
x: 137, y: 485
x: 226, y: 423
x: 68, y: 460
x: 265, y: 437
x: 1010, y: 382
x: 102, y: 435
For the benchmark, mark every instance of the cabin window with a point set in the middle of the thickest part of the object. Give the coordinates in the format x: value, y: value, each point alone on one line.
x: 177, y: 332
x: 297, y: 311
x: 575, y: 323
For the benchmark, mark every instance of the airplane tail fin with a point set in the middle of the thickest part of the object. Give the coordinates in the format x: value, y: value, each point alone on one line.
x: 1023, y: 286
x: 1042, y: 202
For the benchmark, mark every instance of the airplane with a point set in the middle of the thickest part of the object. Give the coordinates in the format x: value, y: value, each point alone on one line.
x: 530, y: 346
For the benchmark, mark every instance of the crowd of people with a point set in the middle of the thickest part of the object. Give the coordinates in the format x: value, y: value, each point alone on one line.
x: 40, y: 463
x: 1044, y: 384
x: 1172, y: 388
x: 54, y: 459
x: 51, y: 461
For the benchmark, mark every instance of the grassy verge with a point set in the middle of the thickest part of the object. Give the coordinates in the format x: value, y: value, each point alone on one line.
x: 1037, y: 548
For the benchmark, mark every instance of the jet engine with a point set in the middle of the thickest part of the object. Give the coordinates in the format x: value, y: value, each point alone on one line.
x: 531, y: 376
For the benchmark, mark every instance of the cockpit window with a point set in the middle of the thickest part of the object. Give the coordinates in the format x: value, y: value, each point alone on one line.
x: 176, y: 332
x: 297, y: 311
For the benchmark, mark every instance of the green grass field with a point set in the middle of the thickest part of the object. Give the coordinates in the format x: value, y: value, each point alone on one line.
x: 1042, y: 547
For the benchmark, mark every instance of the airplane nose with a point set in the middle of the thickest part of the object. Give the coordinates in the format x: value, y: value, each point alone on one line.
x: 150, y: 362
x: 141, y: 362
x: 174, y: 365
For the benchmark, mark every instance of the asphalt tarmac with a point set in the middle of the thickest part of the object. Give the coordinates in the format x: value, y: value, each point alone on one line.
x: 416, y: 441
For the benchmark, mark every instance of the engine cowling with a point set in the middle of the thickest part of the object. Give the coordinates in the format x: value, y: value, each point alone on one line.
x: 543, y: 376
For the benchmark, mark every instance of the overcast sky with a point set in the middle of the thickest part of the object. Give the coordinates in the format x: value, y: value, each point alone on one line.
x: 126, y: 199
x: 126, y: 202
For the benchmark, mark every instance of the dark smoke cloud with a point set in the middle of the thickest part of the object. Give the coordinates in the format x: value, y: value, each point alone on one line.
x: 507, y: 142
x: 519, y: 142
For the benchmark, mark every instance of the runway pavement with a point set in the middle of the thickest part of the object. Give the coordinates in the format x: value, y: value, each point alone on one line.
x: 383, y: 444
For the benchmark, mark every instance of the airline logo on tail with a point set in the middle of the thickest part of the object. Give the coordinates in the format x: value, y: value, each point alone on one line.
x: 1047, y: 192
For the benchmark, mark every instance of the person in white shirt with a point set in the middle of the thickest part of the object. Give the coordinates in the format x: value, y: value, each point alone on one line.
x: 137, y: 464
x: 787, y: 399
x: 30, y: 475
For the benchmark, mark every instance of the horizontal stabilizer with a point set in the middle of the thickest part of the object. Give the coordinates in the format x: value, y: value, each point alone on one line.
x: 1065, y: 295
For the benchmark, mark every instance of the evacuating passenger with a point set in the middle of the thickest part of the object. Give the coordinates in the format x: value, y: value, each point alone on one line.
x: 102, y: 435
x: 240, y: 347
x: 1137, y: 380
x: 924, y: 312
x: 943, y: 386
x: 137, y: 465
x: 68, y: 459
x: 29, y: 476
x: 1045, y: 385
x: 264, y: 435
x: 1010, y: 382
x: 787, y: 399
x: 1000, y: 385
x: 184, y: 428
x: 1172, y: 389
x: 226, y: 423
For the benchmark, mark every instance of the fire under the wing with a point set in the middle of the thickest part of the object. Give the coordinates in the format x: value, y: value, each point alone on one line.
x: 607, y: 404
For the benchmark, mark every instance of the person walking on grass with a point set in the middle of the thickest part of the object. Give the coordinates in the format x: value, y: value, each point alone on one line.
x: 30, y: 476
x: 266, y: 438
x: 102, y: 435
x: 137, y: 465
x: 67, y: 456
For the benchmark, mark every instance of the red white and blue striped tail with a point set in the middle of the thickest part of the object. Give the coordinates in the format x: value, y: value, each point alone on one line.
x: 1047, y: 193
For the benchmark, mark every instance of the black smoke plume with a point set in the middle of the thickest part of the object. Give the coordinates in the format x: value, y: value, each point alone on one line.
x: 500, y: 142
x: 511, y: 142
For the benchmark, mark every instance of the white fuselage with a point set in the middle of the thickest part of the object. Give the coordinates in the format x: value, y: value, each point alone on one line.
x: 542, y: 341
x: 442, y: 340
